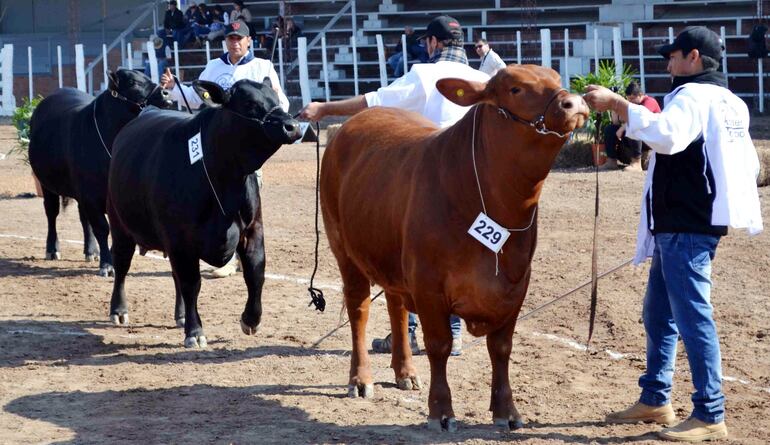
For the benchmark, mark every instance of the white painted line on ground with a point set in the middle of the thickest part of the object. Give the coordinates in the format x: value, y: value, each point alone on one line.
x: 337, y: 287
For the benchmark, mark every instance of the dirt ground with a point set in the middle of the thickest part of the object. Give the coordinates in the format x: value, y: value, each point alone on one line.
x: 68, y: 376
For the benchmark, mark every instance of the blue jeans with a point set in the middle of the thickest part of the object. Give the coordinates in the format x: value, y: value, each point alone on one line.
x: 396, y: 62
x: 677, y: 303
x: 454, y: 324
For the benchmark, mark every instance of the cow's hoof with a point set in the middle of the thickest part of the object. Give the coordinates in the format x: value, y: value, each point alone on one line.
x: 180, y: 322
x: 53, y: 255
x: 409, y: 383
x: 248, y: 330
x: 195, y: 342
x: 106, y: 271
x: 361, y: 390
x: 91, y: 257
x: 119, y: 319
x: 448, y: 424
x: 509, y: 424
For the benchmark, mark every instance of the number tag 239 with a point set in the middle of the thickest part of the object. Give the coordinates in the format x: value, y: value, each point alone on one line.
x: 489, y: 233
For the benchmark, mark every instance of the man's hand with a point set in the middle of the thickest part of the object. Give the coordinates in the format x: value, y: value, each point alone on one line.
x: 167, y: 80
x: 602, y: 99
x: 314, y: 111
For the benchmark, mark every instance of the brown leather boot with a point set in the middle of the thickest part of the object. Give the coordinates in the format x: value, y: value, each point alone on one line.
x: 640, y: 412
x: 694, y: 430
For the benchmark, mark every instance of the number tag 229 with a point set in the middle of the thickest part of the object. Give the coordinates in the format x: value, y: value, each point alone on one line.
x: 489, y: 233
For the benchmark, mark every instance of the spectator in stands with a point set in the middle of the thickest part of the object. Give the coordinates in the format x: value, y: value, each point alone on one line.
x: 240, y: 12
x: 162, y: 55
x: 490, y: 61
x: 189, y: 14
x: 701, y: 179
x: 615, y: 137
x: 174, y: 26
x: 414, y: 50
x: 218, y: 22
x: 236, y: 64
x: 416, y: 91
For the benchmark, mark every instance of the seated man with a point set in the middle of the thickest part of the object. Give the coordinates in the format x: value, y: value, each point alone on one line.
x: 614, y: 134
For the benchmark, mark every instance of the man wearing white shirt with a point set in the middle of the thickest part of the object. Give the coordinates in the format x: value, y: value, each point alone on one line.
x: 701, y: 179
x: 491, y: 63
x: 236, y: 64
x: 416, y: 91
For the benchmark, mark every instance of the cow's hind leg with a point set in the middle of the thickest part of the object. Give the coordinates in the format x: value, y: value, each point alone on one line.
x: 438, y: 344
x: 401, y: 355
x: 101, y: 231
x: 504, y: 412
x: 123, y: 247
x: 356, y: 290
x: 186, y: 270
x: 179, y: 308
x: 90, y: 248
x: 51, y: 205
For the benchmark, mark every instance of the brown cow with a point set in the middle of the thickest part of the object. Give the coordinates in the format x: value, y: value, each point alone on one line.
x: 399, y: 197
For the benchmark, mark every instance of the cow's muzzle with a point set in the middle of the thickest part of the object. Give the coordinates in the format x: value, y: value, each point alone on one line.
x: 284, y: 130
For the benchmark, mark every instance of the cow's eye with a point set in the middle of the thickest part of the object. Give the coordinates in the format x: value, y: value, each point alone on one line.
x: 515, y: 90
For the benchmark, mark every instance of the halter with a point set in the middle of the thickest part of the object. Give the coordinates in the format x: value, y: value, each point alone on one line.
x: 141, y: 104
x: 259, y: 121
x: 539, y: 123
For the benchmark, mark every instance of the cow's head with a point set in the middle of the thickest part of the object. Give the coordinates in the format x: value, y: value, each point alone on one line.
x: 137, y: 89
x: 530, y: 94
x: 253, y: 102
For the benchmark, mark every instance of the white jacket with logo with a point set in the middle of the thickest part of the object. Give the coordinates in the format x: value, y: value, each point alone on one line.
x: 711, y: 111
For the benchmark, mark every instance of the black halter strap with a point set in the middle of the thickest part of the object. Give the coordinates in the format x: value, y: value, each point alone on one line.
x: 141, y: 104
x: 538, y: 123
x: 254, y: 119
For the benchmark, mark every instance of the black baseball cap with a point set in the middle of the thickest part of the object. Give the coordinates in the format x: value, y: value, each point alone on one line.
x: 443, y: 27
x: 237, y: 28
x: 706, y: 41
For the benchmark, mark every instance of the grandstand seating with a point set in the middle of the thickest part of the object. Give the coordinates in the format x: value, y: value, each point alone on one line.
x: 499, y: 20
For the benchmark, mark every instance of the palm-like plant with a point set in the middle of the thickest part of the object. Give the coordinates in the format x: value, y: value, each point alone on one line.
x: 606, y: 77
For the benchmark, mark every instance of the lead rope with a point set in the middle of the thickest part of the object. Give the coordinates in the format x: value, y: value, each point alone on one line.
x: 594, y: 251
x: 316, y: 295
x: 96, y: 124
x: 203, y: 158
x: 481, y: 195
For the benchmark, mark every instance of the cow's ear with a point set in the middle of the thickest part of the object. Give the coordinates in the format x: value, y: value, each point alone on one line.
x: 113, y: 81
x: 267, y: 82
x: 462, y: 92
x: 212, y: 94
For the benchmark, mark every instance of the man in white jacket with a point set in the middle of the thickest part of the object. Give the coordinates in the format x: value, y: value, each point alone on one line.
x: 701, y: 180
x: 236, y: 64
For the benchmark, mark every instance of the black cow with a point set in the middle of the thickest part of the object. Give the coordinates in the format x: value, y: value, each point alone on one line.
x: 71, y: 136
x: 197, y: 201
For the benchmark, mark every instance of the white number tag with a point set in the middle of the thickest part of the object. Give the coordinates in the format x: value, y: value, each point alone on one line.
x: 489, y: 233
x: 194, y: 146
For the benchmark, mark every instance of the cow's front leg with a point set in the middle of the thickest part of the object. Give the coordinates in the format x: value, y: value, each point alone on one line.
x: 401, y: 354
x: 504, y: 413
x: 101, y: 230
x: 123, y: 247
x: 438, y: 344
x: 179, y: 308
x: 186, y: 270
x: 251, y: 250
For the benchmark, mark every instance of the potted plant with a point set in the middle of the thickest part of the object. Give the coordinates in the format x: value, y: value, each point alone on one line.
x: 605, y: 76
x: 20, y: 119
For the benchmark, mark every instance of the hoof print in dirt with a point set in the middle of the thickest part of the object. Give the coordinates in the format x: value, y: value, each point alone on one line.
x: 195, y: 342
x: 448, y: 424
x: 363, y: 391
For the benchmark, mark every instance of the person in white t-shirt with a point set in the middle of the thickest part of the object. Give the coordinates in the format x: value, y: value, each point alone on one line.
x: 490, y: 60
x: 236, y: 64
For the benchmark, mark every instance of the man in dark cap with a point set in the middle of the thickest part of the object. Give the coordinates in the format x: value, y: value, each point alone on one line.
x: 236, y: 64
x: 416, y: 91
x: 701, y: 179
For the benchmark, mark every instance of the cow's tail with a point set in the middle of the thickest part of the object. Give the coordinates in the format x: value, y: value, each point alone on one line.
x: 65, y: 202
